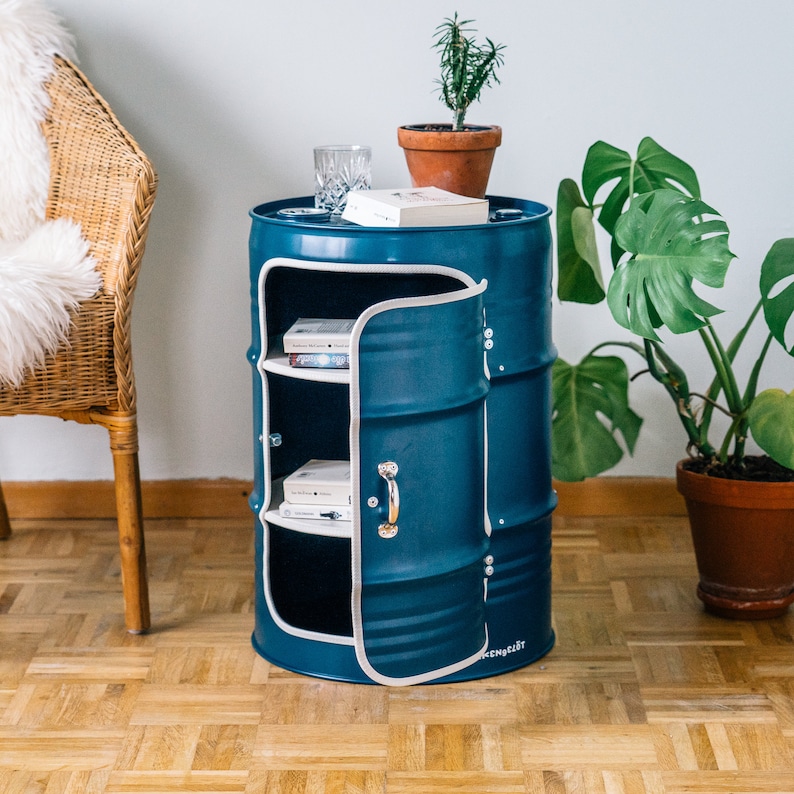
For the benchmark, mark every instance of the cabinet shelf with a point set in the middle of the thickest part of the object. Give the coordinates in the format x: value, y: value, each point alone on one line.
x: 277, y: 362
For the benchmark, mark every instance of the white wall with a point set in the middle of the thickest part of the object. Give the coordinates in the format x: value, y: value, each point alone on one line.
x: 229, y: 98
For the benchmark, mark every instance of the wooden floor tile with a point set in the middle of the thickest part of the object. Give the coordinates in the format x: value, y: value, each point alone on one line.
x: 358, y: 747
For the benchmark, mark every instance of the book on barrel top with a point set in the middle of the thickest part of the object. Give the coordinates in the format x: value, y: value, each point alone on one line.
x: 421, y: 206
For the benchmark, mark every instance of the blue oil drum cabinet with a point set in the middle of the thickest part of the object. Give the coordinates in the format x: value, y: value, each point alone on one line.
x: 443, y: 572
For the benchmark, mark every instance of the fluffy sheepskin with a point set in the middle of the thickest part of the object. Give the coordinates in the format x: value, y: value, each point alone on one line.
x: 45, y: 269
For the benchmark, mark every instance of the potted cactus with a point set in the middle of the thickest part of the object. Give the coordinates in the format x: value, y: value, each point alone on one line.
x: 456, y: 156
x: 665, y: 239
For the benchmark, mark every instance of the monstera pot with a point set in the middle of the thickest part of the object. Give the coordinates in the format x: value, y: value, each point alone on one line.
x: 743, y: 534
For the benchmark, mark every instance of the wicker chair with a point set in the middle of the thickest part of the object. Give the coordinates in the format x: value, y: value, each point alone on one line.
x: 101, y: 179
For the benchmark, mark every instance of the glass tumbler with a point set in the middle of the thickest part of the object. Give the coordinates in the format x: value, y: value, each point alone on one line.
x: 337, y: 171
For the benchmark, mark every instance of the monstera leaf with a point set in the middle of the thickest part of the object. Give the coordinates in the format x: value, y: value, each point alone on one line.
x: 579, y: 267
x: 674, y: 240
x: 778, y: 266
x: 654, y: 168
x: 590, y: 408
x: 772, y: 424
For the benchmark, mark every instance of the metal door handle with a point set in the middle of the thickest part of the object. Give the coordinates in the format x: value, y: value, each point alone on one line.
x: 388, y: 470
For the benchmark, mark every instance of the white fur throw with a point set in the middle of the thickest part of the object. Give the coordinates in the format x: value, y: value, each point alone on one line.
x: 45, y: 269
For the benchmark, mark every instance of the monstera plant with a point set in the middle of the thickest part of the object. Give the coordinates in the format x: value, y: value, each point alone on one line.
x: 665, y: 242
x: 665, y: 239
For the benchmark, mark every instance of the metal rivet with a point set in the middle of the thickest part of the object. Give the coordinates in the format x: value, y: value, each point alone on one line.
x: 275, y: 439
x: 372, y: 501
x: 489, y: 570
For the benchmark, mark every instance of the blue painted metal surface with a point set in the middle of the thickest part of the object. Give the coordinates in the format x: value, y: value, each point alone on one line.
x: 400, y: 635
x: 421, y: 397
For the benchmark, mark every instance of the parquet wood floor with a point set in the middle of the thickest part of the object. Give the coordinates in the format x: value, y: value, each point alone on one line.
x: 643, y: 693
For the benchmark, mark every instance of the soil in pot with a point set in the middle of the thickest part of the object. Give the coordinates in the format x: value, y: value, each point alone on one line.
x: 758, y: 468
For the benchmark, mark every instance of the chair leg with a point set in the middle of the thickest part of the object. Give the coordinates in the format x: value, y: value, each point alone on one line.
x: 131, y: 542
x: 5, y: 524
x: 129, y: 511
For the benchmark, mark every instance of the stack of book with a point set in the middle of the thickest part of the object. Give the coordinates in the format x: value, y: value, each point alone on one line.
x: 320, y: 489
x: 319, y: 342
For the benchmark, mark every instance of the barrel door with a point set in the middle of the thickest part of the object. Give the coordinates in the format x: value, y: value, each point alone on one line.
x: 418, y: 442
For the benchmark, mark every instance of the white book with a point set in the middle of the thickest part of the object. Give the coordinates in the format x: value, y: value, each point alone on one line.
x: 318, y: 335
x: 414, y: 206
x: 327, y: 512
x: 320, y: 482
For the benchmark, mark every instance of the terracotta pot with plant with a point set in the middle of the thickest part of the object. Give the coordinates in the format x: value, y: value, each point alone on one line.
x: 457, y: 156
x: 664, y: 238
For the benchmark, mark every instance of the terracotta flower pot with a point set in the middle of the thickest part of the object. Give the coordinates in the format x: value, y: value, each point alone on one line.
x: 743, y: 534
x: 456, y: 161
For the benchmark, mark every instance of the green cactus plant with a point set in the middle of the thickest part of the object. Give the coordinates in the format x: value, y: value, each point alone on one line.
x: 466, y: 67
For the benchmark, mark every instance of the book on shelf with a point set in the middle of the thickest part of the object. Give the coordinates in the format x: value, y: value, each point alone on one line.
x: 413, y: 206
x: 320, y: 360
x: 316, y: 512
x: 319, y: 482
x: 318, y: 335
